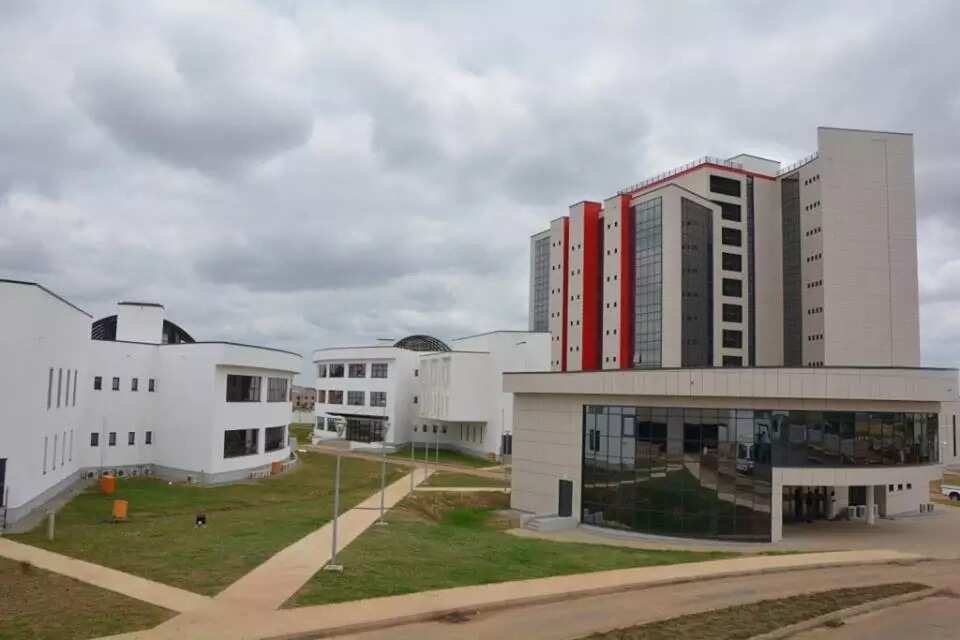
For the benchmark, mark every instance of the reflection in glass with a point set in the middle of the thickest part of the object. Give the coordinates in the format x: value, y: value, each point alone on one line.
x: 707, y: 472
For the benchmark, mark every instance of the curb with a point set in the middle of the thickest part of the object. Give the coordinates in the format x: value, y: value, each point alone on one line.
x: 501, y: 605
x: 867, y: 607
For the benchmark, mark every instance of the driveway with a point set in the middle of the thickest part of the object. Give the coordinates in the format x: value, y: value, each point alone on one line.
x: 931, y: 619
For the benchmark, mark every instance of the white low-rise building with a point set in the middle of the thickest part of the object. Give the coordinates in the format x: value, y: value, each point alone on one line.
x: 140, y: 397
x: 421, y: 389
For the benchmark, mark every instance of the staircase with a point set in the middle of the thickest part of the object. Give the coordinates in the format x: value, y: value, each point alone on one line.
x: 544, y: 524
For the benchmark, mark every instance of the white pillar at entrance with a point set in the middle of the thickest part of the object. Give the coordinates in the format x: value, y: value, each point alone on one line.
x: 870, y: 505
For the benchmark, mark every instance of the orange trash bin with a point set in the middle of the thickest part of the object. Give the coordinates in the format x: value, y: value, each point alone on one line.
x: 119, y: 509
x: 275, y: 468
x: 108, y: 484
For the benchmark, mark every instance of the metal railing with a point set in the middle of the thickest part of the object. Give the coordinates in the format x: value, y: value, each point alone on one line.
x: 677, y: 170
x: 799, y: 163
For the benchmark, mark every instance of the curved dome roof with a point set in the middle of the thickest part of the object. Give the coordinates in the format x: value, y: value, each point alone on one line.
x: 106, y: 329
x: 421, y: 343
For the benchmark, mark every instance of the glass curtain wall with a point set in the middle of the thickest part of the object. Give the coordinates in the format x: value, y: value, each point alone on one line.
x: 706, y: 473
x: 648, y: 283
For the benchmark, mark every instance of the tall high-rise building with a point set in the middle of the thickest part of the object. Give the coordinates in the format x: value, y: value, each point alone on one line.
x: 740, y: 262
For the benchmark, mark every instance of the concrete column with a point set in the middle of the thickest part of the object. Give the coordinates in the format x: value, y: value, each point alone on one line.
x: 776, y: 512
x: 870, y: 502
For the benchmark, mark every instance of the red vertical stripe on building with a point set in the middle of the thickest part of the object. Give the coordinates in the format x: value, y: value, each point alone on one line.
x: 592, y: 287
x: 626, y: 284
x: 566, y: 287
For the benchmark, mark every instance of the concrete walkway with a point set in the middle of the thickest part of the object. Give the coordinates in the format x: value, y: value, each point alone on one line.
x: 272, y: 583
x: 581, y: 617
x: 363, y: 615
x: 127, y: 584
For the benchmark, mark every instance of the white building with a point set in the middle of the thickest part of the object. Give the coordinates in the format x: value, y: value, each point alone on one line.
x: 462, y: 402
x: 420, y: 389
x: 141, y: 397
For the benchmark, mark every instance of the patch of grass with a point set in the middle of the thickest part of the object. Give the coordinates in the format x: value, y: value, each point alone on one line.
x: 444, y: 540
x: 448, y: 479
x: 302, y: 430
x: 41, y: 605
x: 446, y: 457
x: 246, y: 522
x: 746, y: 621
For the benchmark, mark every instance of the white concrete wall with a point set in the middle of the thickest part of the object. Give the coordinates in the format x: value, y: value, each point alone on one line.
x: 575, y: 289
x: 768, y: 275
x: 39, y: 331
x: 140, y: 322
x: 869, y: 248
x: 558, y: 265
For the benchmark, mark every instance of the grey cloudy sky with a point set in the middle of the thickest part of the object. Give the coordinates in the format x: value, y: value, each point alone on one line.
x: 306, y: 174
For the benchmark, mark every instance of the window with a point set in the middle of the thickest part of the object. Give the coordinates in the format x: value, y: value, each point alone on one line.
x: 334, y: 397
x: 726, y: 186
x: 148, y: 438
x: 730, y: 211
x: 59, y: 385
x: 733, y: 288
x: 151, y: 385
x: 355, y: 398
x: 243, y: 388
x: 732, y: 261
x: 276, y: 389
x: 46, y: 443
x: 732, y: 361
x: 731, y: 236
x: 112, y: 439
x: 416, y: 372
x: 56, y: 437
x: 414, y: 399
x: 732, y: 339
x: 134, y: 384
x: 331, y: 424
x: 116, y: 384
x: 336, y: 371
x: 240, y: 442
x: 70, y: 457
x: 274, y: 438
x: 732, y: 313
x: 66, y: 391
x: 321, y: 396
x: 378, y: 398
x: 131, y: 438
x: 50, y: 388
x: 94, y: 439
x: 76, y: 374
x: 321, y: 371
x: 358, y: 370
x: 378, y: 370
x: 97, y: 383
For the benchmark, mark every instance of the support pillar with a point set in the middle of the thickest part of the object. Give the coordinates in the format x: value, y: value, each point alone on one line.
x: 871, y: 519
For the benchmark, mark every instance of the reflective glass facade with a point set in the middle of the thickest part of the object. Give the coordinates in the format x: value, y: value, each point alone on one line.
x: 706, y: 473
x: 792, y: 277
x: 696, y: 284
x: 648, y: 283
x: 541, y: 285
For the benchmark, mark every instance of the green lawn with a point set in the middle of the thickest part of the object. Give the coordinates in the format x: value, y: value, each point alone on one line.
x: 448, y: 479
x: 446, y: 457
x: 246, y: 522
x: 747, y: 621
x: 302, y: 431
x: 443, y: 540
x: 40, y: 605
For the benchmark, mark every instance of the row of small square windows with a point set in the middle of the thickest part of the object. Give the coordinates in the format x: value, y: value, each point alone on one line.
x: 815, y: 337
x: 815, y: 178
x: 815, y: 364
x: 614, y: 277
x: 613, y: 225
x: 812, y: 206
x: 816, y: 256
x: 814, y: 311
x: 608, y: 332
x: 814, y: 284
x: 610, y: 359
x: 813, y: 231
x: 609, y: 305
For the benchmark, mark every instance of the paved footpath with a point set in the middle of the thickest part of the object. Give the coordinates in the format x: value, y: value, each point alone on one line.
x: 243, y: 623
x: 578, y: 618
x: 130, y: 585
x: 272, y: 583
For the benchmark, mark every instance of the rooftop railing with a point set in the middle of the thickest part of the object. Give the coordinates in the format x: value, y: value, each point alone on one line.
x: 677, y: 170
x: 799, y: 163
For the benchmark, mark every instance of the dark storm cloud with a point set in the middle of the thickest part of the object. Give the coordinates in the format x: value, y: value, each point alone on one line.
x: 309, y: 174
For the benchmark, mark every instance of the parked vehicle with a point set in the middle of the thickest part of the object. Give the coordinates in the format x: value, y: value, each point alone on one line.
x: 952, y: 491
